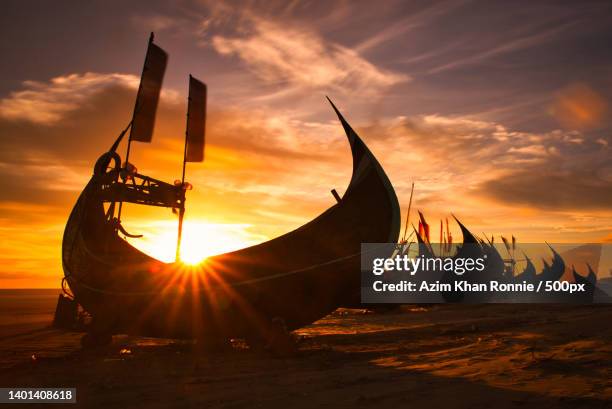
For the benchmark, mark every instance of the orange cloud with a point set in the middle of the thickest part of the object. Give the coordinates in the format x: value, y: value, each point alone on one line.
x: 579, y: 106
x: 48, y: 102
x: 301, y: 58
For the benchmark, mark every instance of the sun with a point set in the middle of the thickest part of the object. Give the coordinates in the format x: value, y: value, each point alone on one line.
x: 200, y: 240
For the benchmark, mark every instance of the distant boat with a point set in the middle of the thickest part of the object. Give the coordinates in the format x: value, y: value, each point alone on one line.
x: 528, y: 274
x: 282, y: 284
x: 589, y: 283
x: 501, y: 270
x: 554, y: 271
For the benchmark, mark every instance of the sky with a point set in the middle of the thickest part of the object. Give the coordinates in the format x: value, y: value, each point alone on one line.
x: 498, y: 111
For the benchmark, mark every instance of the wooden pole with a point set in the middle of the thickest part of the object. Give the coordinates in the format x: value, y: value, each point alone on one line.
x: 180, y: 233
x: 182, y: 209
x: 408, y: 214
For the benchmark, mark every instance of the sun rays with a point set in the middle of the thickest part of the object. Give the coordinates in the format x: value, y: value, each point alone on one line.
x: 200, y: 240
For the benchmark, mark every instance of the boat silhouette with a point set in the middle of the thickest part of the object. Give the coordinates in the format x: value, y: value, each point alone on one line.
x: 253, y: 293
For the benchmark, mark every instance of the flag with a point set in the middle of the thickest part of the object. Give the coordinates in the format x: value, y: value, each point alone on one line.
x: 143, y: 120
x: 505, y: 240
x: 425, y: 227
x: 448, y: 237
x: 196, y: 121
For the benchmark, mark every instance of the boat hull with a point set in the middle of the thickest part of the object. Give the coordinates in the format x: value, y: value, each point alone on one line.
x: 294, y: 279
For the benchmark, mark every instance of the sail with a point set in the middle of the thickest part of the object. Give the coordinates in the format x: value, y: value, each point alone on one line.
x: 148, y: 93
x: 196, y: 121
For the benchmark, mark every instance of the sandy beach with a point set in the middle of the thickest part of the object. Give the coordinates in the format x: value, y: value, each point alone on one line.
x: 451, y: 356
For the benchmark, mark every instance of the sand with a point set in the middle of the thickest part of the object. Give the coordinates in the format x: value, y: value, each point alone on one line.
x: 502, y: 356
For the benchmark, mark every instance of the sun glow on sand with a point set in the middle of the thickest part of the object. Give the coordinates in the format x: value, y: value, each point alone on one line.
x: 200, y: 240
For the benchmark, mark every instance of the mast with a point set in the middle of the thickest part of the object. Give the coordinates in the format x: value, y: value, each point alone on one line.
x: 182, y: 209
x: 408, y: 214
x: 441, y: 237
x: 180, y: 230
x: 513, y: 253
x: 194, y: 143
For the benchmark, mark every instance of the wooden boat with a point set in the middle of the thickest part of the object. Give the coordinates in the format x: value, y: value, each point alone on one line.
x: 290, y: 281
x: 554, y: 271
x: 528, y: 274
x: 589, y: 283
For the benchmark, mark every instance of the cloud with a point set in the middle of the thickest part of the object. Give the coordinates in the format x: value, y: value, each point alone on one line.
x: 504, y: 47
x: 546, y: 187
x: 252, y: 156
x: 254, y: 152
x: 299, y: 57
x: 157, y: 22
x: 48, y: 102
x: 560, y: 170
x: 272, y: 169
x: 468, y: 159
x: 578, y: 106
x: 530, y: 150
x: 420, y: 18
